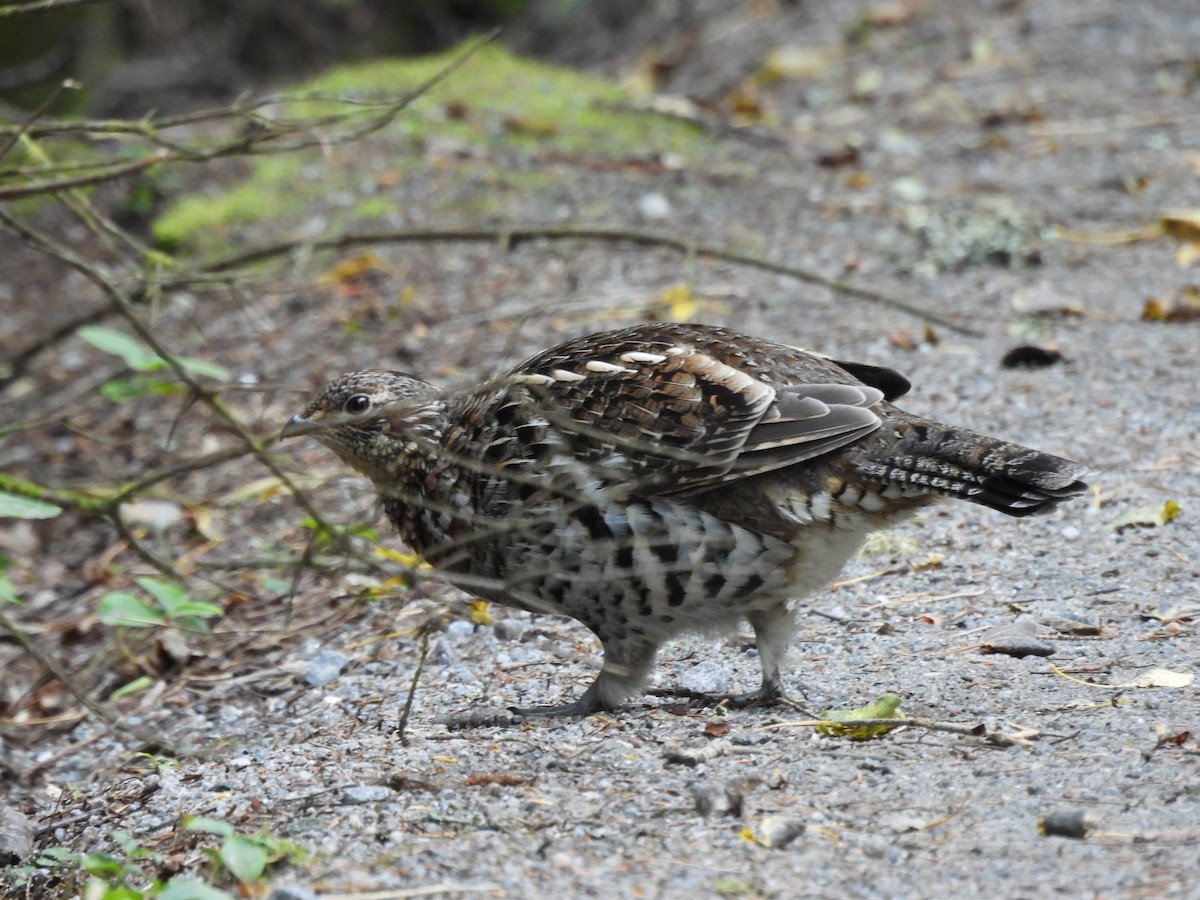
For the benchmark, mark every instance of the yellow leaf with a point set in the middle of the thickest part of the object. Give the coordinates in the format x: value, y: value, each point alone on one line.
x: 353, y: 269
x: 259, y: 489
x: 747, y: 835
x: 678, y: 303
x: 412, y: 560
x: 479, y: 612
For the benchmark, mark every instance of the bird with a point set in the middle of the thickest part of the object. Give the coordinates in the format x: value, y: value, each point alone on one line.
x: 663, y: 479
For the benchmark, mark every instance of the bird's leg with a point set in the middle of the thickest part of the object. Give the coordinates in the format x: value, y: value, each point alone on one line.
x: 626, y: 665
x: 773, y: 629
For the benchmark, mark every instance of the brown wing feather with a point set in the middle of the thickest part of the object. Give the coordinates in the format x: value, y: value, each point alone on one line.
x: 677, y: 408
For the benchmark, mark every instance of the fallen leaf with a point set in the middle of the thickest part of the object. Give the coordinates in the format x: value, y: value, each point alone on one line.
x: 1160, y: 678
x: 842, y: 720
x: 796, y: 62
x: 747, y: 835
x: 502, y: 778
x: 890, y: 13
x: 1181, y: 224
x: 353, y: 269
x: 1148, y: 679
x: 479, y: 612
x: 1184, y: 308
x: 678, y: 303
x: 1146, y: 516
x: 412, y: 560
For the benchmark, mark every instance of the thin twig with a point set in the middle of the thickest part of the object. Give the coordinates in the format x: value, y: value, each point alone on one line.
x: 402, y: 727
x: 511, y: 236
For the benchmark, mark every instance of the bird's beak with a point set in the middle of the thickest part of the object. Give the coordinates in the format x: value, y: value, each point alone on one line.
x: 297, y: 424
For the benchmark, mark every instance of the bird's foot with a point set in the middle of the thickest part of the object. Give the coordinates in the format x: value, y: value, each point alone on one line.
x: 766, y: 696
x: 584, y: 706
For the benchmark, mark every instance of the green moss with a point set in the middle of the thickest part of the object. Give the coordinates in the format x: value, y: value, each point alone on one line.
x: 514, y: 108
x: 498, y: 98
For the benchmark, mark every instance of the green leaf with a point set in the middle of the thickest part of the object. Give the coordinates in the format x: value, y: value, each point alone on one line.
x: 841, y: 721
x: 56, y: 857
x: 8, y: 594
x: 119, y: 390
x: 100, y: 888
x: 191, y: 889
x: 133, y: 352
x: 14, y: 506
x: 169, y: 596
x: 100, y: 864
x: 204, y: 367
x: 245, y: 857
x: 176, y: 601
x: 141, y: 358
x: 132, y: 687
x: 119, y: 608
x: 205, y: 825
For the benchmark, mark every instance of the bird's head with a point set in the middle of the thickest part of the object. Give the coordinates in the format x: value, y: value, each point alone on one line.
x: 372, y: 420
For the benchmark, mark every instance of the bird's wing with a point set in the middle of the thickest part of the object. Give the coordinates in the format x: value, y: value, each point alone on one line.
x: 673, y: 415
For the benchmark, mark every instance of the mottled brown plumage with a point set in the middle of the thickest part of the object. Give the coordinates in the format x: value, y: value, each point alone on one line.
x: 661, y: 479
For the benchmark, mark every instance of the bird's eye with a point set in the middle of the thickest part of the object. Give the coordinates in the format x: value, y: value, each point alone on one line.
x: 357, y: 404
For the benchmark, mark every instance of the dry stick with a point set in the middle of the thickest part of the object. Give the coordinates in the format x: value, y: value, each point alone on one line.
x: 109, y: 173
x: 402, y: 726
x: 511, y: 236
x: 994, y: 738
x: 23, y: 128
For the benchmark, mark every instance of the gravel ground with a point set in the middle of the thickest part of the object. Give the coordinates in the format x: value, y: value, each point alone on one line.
x: 993, y: 124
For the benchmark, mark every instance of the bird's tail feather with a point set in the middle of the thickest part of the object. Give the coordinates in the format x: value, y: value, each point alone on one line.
x: 1015, y: 480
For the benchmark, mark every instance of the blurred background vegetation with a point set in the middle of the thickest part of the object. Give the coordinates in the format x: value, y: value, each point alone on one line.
x: 138, y: 56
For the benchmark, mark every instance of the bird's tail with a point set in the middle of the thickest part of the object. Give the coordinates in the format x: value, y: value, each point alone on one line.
x: 926, y: 456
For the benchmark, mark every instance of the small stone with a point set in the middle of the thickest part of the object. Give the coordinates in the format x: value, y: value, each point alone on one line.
x: 460, y: 630
x: 325, y: 667
x: 441, y: 654
x: 290, y: 892
x: 1065, y: 823
x: 16, y: 836
x: 705, y: 677
x: 778, y: 831
x: 654, y: 206
x: 367, y: 793
x: 1017, y: 638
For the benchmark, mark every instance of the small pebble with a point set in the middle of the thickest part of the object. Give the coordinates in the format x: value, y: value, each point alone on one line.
x: 367, y: 793
x: 325, y: 667
x: 654, y: 206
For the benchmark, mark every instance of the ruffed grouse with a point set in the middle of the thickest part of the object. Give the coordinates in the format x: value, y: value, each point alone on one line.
x: 662, y: 479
